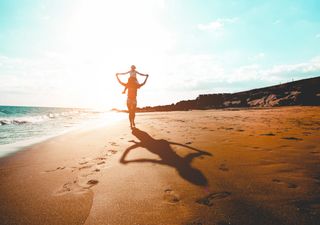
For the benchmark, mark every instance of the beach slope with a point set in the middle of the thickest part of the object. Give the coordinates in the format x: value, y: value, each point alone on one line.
x: 248, y: 166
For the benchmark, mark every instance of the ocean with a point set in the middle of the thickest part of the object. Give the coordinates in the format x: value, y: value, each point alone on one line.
x: 21, y: 126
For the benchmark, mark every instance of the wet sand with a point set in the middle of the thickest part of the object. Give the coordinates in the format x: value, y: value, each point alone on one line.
x: 248, y: 166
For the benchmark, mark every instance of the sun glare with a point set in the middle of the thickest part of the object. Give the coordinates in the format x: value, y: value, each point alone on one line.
x: 105, y: 37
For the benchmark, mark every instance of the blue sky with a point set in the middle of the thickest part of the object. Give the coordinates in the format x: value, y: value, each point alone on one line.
x: 66, y: 52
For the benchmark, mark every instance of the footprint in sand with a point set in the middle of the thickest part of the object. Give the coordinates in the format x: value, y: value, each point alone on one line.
x: 170, y: 196
x: 268, y: 134
x: 113, y: 143
x: 91, y: 183
x: 58, y: 168
x: 67, y: 187
x: 85, y: 174
x: 292, y: 138
x: 111, y: 152
x: 223, y: 167
x: 85, y: 167
x: 74, y: 187
x: 100, y: 158
x: 289, y: 184
x: 210, y: 199
x: 70, y: 187
x: 284, y: 146
x: 313, y: 149
x: 292, y: 185
x: 315, y: 152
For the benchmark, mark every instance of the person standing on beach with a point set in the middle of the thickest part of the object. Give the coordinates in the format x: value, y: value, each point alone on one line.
x: 132, y: 86
x: 133, y: 73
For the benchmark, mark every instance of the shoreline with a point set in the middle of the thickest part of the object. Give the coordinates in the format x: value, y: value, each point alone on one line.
x: 193, y: 167
x: 12, y: 148
x: 29, y: 143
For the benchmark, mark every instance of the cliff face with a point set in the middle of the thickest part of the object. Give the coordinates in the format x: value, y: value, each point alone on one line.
x: 302, y: 92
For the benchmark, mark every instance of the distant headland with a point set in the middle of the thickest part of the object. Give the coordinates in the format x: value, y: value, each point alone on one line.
x: 304, y: 92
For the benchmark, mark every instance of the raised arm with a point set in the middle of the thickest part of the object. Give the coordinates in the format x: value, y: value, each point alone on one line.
x: 141, y: 74
x: 123, y: 160
x: 123, y: 73
x: 192, y: 148
x: 124, y: 84
x: 145, y: 80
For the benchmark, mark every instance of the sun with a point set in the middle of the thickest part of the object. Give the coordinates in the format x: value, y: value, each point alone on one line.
x: 105, y: 37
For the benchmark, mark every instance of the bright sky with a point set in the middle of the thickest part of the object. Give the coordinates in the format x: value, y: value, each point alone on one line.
x: 66, y: 52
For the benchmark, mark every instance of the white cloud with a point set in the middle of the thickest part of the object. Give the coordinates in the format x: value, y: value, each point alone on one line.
x: 278, y: 73
x: 205, y: 73
x: 217, y: 24
x: 293, y: 71
x: 57, y: 80
x: 257, y: 57
x: 93, y: 44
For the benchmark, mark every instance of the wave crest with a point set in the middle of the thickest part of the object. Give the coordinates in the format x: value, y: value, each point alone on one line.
x: 35, y: 119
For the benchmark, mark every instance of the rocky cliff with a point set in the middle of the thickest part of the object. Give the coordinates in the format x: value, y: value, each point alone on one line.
x: 302, y: 92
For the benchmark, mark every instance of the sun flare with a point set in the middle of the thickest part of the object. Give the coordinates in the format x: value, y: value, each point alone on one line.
x: 104, y: 37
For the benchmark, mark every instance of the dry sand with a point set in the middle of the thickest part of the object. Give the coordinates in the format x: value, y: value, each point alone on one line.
x: 252, y: 166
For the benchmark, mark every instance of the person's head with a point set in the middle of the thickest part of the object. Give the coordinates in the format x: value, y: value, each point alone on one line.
x: 133, y: 67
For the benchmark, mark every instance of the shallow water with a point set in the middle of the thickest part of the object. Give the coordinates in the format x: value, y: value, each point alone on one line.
x: 21, y: 126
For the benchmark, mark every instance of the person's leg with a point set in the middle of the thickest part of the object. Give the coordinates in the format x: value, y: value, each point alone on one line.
x: 130, y: 112
x: 134, y: 107
x: 131, y: 118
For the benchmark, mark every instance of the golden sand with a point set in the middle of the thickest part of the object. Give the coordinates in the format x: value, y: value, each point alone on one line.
x: 248, y: 166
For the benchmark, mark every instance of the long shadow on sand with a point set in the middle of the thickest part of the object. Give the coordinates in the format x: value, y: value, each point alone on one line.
x: 168, y: 156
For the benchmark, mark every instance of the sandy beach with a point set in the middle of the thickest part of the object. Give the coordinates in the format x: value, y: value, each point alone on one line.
x: 248, y: 166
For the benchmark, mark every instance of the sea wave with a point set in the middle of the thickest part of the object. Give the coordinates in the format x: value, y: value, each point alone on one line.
x: 23, y: 120
x: 37, y: 119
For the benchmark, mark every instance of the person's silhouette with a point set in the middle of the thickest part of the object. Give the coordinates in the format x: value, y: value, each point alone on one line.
x: 132, y: 87
x: 168, y: 156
